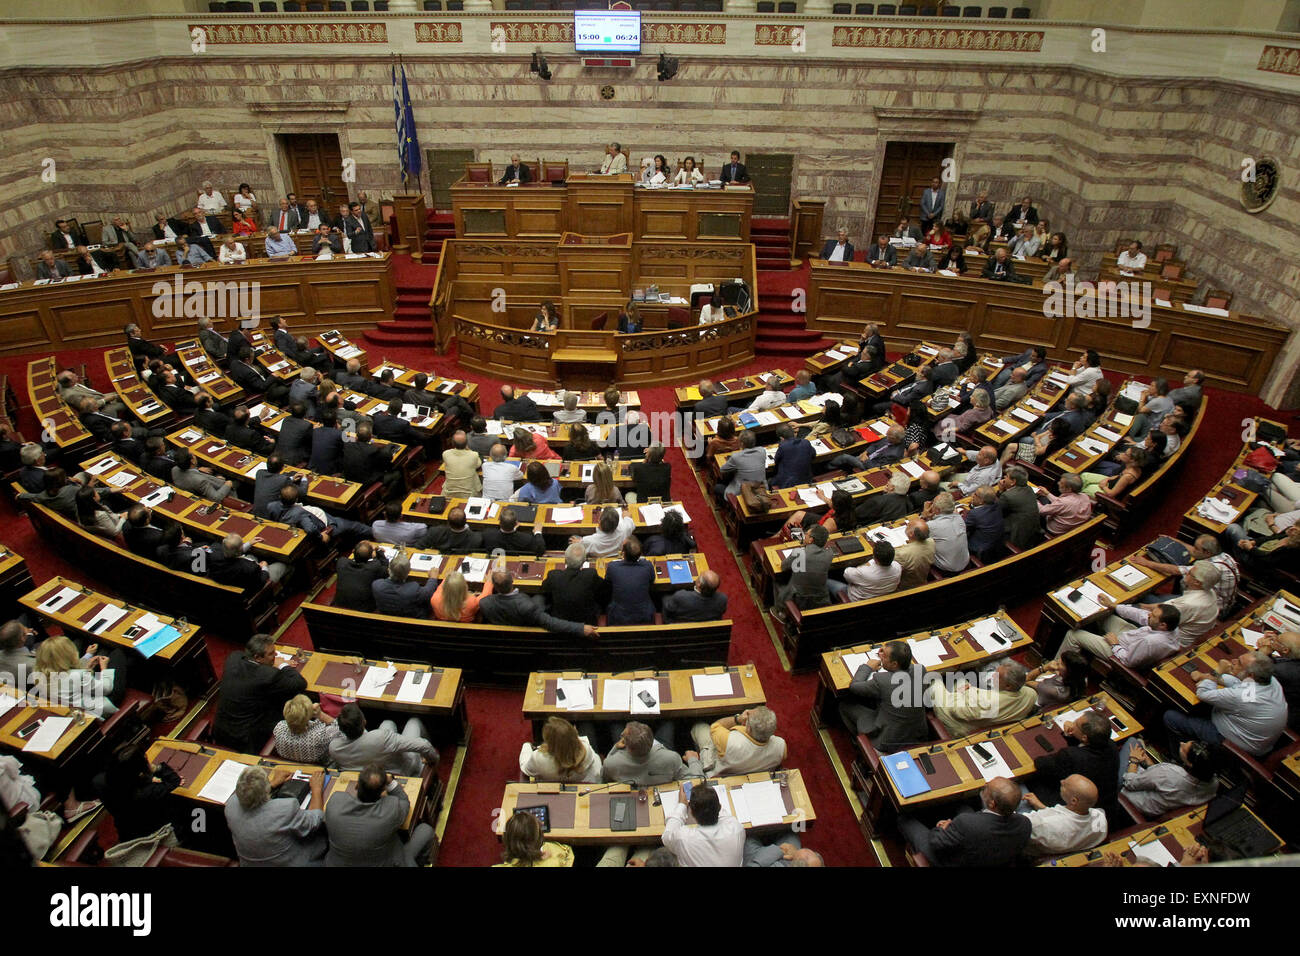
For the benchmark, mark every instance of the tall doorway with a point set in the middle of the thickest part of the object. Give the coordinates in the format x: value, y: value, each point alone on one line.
x: 906, y: 172
x: 445, y: 167
x: 770, y: 174
x: 316, y: 168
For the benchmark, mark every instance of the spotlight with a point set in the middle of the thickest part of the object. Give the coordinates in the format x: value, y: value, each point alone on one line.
x: 667, y: 67
x: 539, y: 66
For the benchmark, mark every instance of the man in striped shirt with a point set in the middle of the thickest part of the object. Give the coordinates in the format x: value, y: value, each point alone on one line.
x: 1205, y: 548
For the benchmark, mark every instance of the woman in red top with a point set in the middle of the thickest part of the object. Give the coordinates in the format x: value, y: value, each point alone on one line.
x: 528, y: 445
x: 939, y: 236
x: 240, y: 225
x: 453, y: 601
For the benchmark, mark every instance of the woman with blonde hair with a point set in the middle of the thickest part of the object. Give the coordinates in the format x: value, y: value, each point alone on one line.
x: 523, y: 845
x: 563, y: 757
x: 305, y: 733
x: 602, y: 490
x: 453, y: 600
x: 85, y: 683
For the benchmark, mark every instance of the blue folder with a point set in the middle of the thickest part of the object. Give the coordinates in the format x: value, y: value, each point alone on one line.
x: 748, y: 420
x: 679, y: 572
x: 152, y: 645
x: 906, y: 774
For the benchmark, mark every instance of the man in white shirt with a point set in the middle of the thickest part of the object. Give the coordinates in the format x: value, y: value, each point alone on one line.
x: 841, y: 250
x: 211, y: 201
x: 1074, y: 824
x: 1085, y: 372
x: 745, y: 743
x: 1132, y: 260
x: 279, y: 245
x: 878, y: 576
x: 1025, y: 244
x: 313, y: 220
x: 718, y: 839
x: 231, y: 251
x: 1198, y: 605
x: 499, y: 475
x: 987, y: 471
x: 615, y: 161
x: 614, y: 528
x: 770, y: 397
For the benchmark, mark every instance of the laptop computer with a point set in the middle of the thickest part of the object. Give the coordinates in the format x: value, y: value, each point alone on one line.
x: 1231, y: 824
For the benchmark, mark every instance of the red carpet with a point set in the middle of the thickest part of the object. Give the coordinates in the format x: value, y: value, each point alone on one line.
x: 498, y: 729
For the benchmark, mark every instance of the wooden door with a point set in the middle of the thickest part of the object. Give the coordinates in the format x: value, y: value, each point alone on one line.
x: 770, y: 174
x: 316, y: 168
x: 445, y: 167
x: 907, y: 171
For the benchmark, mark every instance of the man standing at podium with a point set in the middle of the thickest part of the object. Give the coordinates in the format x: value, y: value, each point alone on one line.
x: 615, y: 160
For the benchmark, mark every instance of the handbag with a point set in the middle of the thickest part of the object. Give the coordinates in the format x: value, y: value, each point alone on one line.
x: 39, y: 831
x: 757, y: 499
x: 1125, y: 405
x: 1262, y: 460
x: 138, y: 851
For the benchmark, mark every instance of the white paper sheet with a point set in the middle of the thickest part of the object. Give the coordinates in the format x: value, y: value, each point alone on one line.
x: 574, y: 515
x: 914, y: 469
x: 763, y: 802
x: 103, y: 465
x: 649, y: 686
x: 59, y: 599
x: 411, y: 692
x: 1123, y: 420
x: 820, y: 447
x: 1251, y: 638
x: 1036, y: 405
x: 670, y: 798
x: 120, y: 480
x: 881, y: 427
x: 158, y: 497
x: 476, y: 570
x: 1007, y: 427
x: 1023, y: 415
x: 7, y: 703
x: 616, y: 695
x: 47, y: 735
x: 106, y: 618
x: 1155, y: 851
x: 375, y: 680
x: 1105, y: 434
x: 222, y: 782
x: 895, y: 536
x: 997, y: 767
x: 577, y: 694
x: 1134, y: 391
x: 709, y: 685
x: 983, y: 631
x: 810, y: 497
x: 927, y: 651
x: 428, y: 563
x: 853, y: 661
x: 1087, y: 604
x: 476, y: 509
x: 1129, y: 576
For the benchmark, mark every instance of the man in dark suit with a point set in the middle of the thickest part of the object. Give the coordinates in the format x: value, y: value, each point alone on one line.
x: 164, y: 224
x: 886, y: 505
x: 285, y: 218
x: 981, y: 210
x: 944, y: 371
x: 253, y: 694
x: 174, y: 395
x: 253, y: 380
x: 304, y: 389
x: 142, y: 536
x: 243, y: 435
x: 734, y: 171
x: 454, y: 537
x: 1091, y: 752
x: 794, y: 459
x: 228, y: 564
x: 888, y: 450
x: 327, y: 238
x: 399, y: 596
x: 1024, y: 214
x: 906, y: 230
x: 96, y: 422
x: 390, y: 426
x: 365, y: 462
x: 1076, y: 415
x: 48, y: 267
x: 125, y: 445
x: 294, y: 443
x: 516, y: 408
x: 351, y: 376
x: 356, y: 574
x: 203, y: 229
x: 327, y: 446
x: 984, y: 524
x: 575, y: 593
x: 871, y: 336
x: 214, y: 422
x: 516, y: 172
x: 702, y: 603
x: 882, y: 254
x: 994, y: 836
x: 508, y: 607
x: 710, y: 403
x: 156, y: 461
x: 32, y: 474
x: 236, y: 342
x: 887, y: 700
x: 839, y: 249
x: 417, y: 395
x: 267, y: 484
x: 509, y: 538
x: 999, y: 267
x: 1020, y: 520
x: 357, y: 227
x: 140, y: 346
x: 65, y: 236
x: 1032, y: 359
x: 386, y: 388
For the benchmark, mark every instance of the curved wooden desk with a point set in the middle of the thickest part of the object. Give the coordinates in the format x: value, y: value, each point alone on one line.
x: 1235, y: 351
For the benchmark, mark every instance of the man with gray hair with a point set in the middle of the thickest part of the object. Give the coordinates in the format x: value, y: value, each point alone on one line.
x: 1066, y: 510
x: 639, y: 759
x: 570, y: 413
x: 770, y: 397
x: 886, y: 505
x: 1204, y: 548
x: 32, y: 474
x: 917, y: 556
x: 948, y: 532
x: 891, y: 448
x: 745, y: 743
x: 213, y: 342
x: 987, y: 470
x: 996, y: 835
x: 304, y: 390
x: 1247, y: 706
x: 1001, y: 698
x: 253, y: 694
x: 1198, y: 607
x: 499, y: 475
x: 575, y: 592
x: 276, y: 831
x: 73, y: 390
x: 399, y: 596
x: 748, y: 463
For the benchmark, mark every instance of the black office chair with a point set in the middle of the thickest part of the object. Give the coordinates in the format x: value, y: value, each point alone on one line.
x: 1019, y: 13
x: 435, y: 5
x: 338, y: 6
x: 950, y: 10
x: 865, y: 9
x: 907, y: 10
x: 886, y: 9
x: 268, y: 6
x: 971, y: 11
x: 786, y: 6
x: 997, y: 13
x: 842, y: 9
x: 766, y: 6
x: 360, y: 6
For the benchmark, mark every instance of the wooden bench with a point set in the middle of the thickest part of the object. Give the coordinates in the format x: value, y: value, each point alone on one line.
x: 218, y: 607
x: 489, y: 654
x: 981, y: 590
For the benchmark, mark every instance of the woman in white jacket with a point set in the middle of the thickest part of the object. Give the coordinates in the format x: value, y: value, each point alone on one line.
x: 563, y: 757
x: 688, y: 175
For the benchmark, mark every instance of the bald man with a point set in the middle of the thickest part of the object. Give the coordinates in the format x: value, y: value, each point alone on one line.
x: 1074, y: 824
x: 704, y: 603
x: 1285, y: 649
x: 996, y: 835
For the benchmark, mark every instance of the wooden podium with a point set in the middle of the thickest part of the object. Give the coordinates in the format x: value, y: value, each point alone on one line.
x: 412, y: 220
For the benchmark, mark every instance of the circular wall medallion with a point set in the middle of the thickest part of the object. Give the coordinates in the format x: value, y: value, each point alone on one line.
x: 607, y: 92
x: 1263, y: 188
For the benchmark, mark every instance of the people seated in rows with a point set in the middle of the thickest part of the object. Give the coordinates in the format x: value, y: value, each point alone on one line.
x: 453, y: 600
x: 1001, y: 697
x: 509, y: 607
x: 994, y: 836
x: 400, y: 596
x: 523, y: 844
x: 210, y: 200
x: 92, y: 683
x: 316, y: 522
x: 1248, y: 707
x: 454, y: 537
x: 1075, y: 823
x: 629, y: 319
x: 655, y: 172
x: 1025, y: 245
x: 461, y: 468
x: 1133, y: 462
x: 1155, y: 787
x: 48, y: 267
x: 499, y: 476
x: 947, y: 531
x: 191, y: 255
x: 999, y: 267
x: 1066, y: 509
x: 509, y: 538
x: 919, y: 259
x: 717, y: 839
x: 809, y: 569
x: 540, y: 488
x: 906, y: 229
x: 1057, y: 249
x: 58, y: 493
x: 252, y: 696
x: 327, y: 242
x: 198, y: 480
x: 745, y: 743
x: 276, y: 832
x: 602, y: 490
x: 515, y: 407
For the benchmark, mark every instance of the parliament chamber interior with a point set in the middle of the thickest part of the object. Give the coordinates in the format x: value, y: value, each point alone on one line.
x: 864, y: 443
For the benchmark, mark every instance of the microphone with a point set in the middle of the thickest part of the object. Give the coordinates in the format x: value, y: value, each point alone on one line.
x: 606, y: 786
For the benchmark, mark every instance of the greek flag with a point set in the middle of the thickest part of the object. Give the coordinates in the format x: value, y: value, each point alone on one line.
x: 408, y: 144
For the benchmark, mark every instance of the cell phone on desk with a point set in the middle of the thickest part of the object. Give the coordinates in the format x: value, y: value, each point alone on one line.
x: 559, y: 694
x: 983, y: 753
x: 1118, y: 724
x: 646, y: 698
x: 27, y: 731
